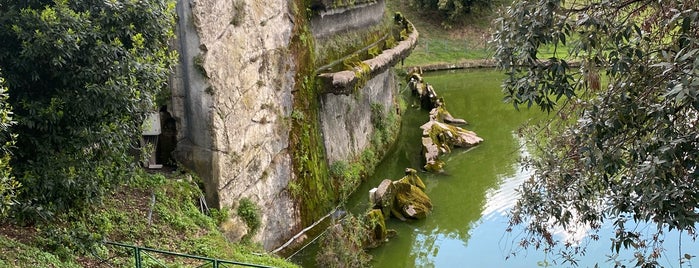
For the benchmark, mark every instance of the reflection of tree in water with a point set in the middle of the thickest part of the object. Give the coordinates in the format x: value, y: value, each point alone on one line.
x: 474, y: 174
x: 472, y: 179
x: 425, y: 249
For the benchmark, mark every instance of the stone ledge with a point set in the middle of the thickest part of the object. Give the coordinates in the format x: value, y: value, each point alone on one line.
x: 329, y: 5
x: 344, y: 82
x: 468, y: 64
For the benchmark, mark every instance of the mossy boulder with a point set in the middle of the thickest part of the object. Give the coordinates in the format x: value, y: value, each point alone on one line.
x: 376, y: 223
x: 411, y: 202
x: 383, y: 197
x: 434, y: 166
x: 438, y: 138
x: 444, y: 136
x: 412, y: 178
x: 440, y: 114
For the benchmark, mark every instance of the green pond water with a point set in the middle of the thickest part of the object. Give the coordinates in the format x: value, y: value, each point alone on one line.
x: 472, y: 198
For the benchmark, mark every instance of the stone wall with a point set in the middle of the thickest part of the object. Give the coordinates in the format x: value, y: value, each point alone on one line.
x: 347, y: 17
x: 232, y: 97
x: 346, y: 119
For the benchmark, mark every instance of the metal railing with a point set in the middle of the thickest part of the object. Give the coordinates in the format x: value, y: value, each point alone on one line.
x: 140, y: 252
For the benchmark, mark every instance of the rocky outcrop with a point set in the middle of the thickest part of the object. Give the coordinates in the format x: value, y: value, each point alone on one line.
x: 231, y: 95
x: 403, y: 199
x: 441, y: 132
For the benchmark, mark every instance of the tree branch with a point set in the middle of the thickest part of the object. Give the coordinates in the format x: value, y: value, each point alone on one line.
x: 588, y: 7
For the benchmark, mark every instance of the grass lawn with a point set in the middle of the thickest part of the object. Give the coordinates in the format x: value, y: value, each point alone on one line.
x: 468, y: 40
x: 438, y: 44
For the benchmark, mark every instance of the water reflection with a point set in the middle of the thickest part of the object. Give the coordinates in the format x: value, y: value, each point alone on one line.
x: 471, y: 201
x: 500, y: 200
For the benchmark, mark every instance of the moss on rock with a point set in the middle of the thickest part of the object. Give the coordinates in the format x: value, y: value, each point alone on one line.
x: 376, y: 223
x: 412, y: 178
x: 410, y: 201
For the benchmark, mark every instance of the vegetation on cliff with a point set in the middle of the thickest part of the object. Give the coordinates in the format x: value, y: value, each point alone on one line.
x: 310, y: 185
x: 317, y: 185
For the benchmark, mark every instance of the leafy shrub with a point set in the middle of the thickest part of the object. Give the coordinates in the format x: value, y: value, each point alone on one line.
x: 8, y: 184
x: 79, y: 114
x: 343, y: 245
x: 346, y: 177
x: 250, y: 213
x: 452, y: 10
x: 219, y: 215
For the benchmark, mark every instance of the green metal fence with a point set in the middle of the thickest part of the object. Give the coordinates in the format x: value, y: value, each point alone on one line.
x: 139, y: 253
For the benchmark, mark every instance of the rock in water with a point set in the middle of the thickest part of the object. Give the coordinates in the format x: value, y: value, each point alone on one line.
x: 440, y: 114
x: 438, y: 138
x: 377, y: 228
x: 410, y: 201
x: 412, y: 178
x: 384, y: 196
x: 445, y: 135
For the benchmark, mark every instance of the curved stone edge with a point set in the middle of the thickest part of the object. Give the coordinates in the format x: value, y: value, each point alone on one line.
x: 467, y: 64
x: 344, y: 82
x: 464, y: 64
x: 330, y: 5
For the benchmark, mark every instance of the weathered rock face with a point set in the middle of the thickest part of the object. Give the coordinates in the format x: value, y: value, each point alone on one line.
x: 232, y: 104
x: 346, y: 119
x: 232, y: 95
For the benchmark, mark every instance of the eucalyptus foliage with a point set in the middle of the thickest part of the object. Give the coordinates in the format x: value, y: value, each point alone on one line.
x: 625, y: 152
x: 81, y: 75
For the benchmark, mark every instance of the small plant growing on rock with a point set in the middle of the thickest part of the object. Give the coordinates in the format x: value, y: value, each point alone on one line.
x: 199, y: 64
x: 346, y: 177
x: 343, y: 245
x: 250, y: 213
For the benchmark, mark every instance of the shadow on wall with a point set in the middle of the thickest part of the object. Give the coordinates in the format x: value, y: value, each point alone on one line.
x: 167, y: 140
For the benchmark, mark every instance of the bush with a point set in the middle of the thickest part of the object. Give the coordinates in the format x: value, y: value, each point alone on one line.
x: 346, y: 177
x: 452, y: 10
x: 250, y: 213
x: 79, y: 114
x: 343, y: 245
x: 8, y: 184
